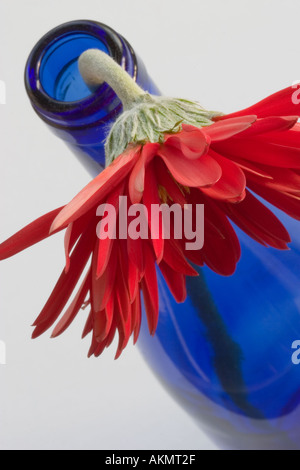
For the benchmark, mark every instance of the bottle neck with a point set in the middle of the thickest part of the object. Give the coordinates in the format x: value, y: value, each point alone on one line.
x: 57, y: 91
x: 78, y: 116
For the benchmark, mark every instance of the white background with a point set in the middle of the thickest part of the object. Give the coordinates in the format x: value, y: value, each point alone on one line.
x: 225, y: 53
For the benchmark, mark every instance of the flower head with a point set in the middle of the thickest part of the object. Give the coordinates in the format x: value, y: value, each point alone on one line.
x: 219, y: 161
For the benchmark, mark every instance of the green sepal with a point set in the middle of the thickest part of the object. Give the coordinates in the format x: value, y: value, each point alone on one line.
x: 150, y: 118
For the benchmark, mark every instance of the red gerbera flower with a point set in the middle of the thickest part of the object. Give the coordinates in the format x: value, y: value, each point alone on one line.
x: 220, y: 165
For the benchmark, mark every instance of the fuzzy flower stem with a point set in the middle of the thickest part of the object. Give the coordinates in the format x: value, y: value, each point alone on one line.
x: 97, y: 67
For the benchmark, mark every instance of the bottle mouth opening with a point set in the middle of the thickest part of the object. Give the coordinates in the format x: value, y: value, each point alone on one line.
x: 52, y: 78
x: 59, y: 76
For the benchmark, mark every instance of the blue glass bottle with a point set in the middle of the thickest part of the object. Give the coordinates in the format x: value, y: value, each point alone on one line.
x: 226, y: 353
x: 59, y: 95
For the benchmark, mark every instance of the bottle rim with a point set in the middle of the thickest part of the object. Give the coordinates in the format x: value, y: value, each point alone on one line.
x: 50, y: 109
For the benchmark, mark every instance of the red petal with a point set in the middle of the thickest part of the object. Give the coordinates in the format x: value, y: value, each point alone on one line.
x: 128, y: 270
x: 66, y: 284
x: 289, y: 138
x: 97, y: 189
x: 74, y: 231
x: 283, y: 179
x: 175, y: 281
x: 192, y: 173
x: 232, y: 183
x: 223, y: 130
x: 137, y: 176
x: 123, y: 325
x: 73, y: 309
x: 288, y: 203
x: 112, y: 332
x: 67, y: 240
x: 88, y: 325
x: 174, y: 257
x: 29, y: 235
x: 258, y: 222
x: 93, y: 347
x: 221, y: 250
x: 102, y: 287
x: 135, y: 253
x: 123, y: 291
x: 195, y: 256
x: 278, y: 104
x: 156, y: 226
x: 100, y: 348
x: 136, y: 317
x: 255, y: 169
x: 192, y: 142
x: 269, y: 124
x: 101, y: 325
x: 133, y: 280
x: 105, y: 245
x: 260, y: 152
x: 168, y: 183
x: 150, y: 289
x: 109, y: 311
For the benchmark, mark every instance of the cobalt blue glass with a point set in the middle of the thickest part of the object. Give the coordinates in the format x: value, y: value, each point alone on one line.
x: 225, y: 354
x: 59, y: 95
